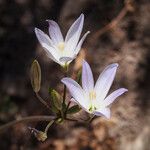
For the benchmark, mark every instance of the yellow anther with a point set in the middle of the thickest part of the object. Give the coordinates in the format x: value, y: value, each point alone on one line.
x: 92, y: 95
x: 61, y: 46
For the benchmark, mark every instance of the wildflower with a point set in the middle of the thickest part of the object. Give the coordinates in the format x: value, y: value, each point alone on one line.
x: 93, y: 98
x: 61, y: 50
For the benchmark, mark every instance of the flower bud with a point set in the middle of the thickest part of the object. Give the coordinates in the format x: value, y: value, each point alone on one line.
x: 35, y: 76
x: 41, y: 136
x: 55, y: 100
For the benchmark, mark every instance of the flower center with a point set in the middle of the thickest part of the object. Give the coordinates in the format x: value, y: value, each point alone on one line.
x: 92, y: 108
x: 61, y: 46
x: 92, y: 95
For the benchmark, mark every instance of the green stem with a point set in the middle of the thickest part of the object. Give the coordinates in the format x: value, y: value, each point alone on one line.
x: 64, y: 95
x: 49, y: 124
x: 67, y: 108
x: 65, y: 75
x: 42, y: 101
x: 26, y: 120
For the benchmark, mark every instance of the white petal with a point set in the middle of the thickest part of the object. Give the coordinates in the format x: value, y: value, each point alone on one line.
x: 105, y: 80
x: 112, y: 97
x: 81, y: 42
x: 46, y: 43
x: 103, y: 112
x: 75, y: 101
x: 76, y: 91
x: 87, y: 77
x: 74, y: 33
x: 54, y: 32
x: 65, y: 60
x: 43, y: 38
x: 51, y: 56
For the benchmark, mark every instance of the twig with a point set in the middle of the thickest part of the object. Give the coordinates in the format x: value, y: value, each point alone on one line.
x: 49, y: 124
x: 42, y: 101
x: 26, y: 120
x: 128, y: 7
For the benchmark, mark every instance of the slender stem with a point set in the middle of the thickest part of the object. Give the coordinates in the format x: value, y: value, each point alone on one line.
x: 65, y: 75
x: 90, y: 119
x: 26, y: 120
x: 49, y: 124
x: 67, y: 107
x: 69, y: 119
x: 42, y: 101
x: 64, y: 94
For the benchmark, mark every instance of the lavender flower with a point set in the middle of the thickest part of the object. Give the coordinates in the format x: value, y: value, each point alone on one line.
x: 93, y: 98
x: 59, y: 50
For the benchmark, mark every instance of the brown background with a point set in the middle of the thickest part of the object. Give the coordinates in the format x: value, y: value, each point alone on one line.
x: 128, y: 43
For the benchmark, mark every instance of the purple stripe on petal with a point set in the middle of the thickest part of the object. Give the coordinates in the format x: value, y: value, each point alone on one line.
x: 74, y: 33
x: 81, y: 42
x: 47, y: 44
x: 87, y: 77
x: 105, y: 80
x: 43, y: 38
x: 112, y: 97
x: 54, y: 32
x: 76, y: 91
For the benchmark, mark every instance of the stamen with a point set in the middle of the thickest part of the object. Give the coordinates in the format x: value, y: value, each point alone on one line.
x: 92, y: 95
x: 61, y: 46
x: 92, y: 108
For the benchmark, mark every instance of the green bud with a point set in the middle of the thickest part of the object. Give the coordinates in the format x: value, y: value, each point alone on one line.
x: 74, y: 109
x: 36, y: 76
x: 56, y: 100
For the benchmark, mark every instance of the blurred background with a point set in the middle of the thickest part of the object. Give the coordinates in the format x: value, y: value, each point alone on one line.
x: 120, y: 32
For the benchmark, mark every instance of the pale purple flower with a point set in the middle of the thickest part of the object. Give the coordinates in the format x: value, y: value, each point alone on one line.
x: 94, y: 99
x: 61, y: 50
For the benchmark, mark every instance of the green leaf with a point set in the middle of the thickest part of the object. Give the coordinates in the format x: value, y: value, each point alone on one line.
x: 74, y: 109
x: 35, y: 76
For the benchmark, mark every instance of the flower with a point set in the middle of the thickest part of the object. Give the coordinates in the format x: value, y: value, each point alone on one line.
x: 59, y: 50
x: 93, y: 98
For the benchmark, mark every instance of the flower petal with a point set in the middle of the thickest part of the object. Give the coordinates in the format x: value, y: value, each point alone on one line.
x: 81, y: 42
x: 103, y: 112
x: 112, y: 97
x: 75, y: 101
x: 87, y: 77
x: 54, y: 32
x: 74, y: 33
x: 46, y: 43
x: 105, y: 80
x: 65, y: 60
x: 43, y: 38
x: 76, y: 91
